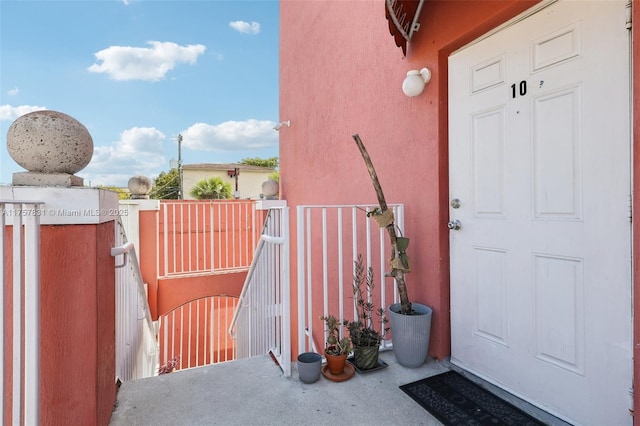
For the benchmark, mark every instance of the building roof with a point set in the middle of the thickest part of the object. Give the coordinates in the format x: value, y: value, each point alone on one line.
x: 226, y: 166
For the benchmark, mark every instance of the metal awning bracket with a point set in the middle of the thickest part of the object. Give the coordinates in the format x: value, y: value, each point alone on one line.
x: 401, y: 17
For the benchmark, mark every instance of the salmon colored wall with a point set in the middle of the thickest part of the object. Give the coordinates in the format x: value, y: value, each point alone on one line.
x: 77, y: 361
x: 340, y: 74
x: 173, y: 292
x: 147, y: 256
x: 166, y: 294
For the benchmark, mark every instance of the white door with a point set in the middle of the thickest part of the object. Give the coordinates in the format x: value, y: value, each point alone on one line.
x: 540, y: 169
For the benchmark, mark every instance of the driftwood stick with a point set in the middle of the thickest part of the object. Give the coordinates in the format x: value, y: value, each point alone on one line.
x: 397, y: 274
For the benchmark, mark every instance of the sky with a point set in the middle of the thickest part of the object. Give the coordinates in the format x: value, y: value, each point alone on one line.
x: 137, y: 73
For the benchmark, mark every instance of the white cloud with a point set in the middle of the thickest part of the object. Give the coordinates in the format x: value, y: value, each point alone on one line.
x: 14, y: 91
x: 245, y: 27
x: 139, y: 151
x: 144, y: 63
x: 8, y: 112
x: 230, y: 136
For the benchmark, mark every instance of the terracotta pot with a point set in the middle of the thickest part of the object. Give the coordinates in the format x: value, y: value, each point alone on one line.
x: 336, y: 363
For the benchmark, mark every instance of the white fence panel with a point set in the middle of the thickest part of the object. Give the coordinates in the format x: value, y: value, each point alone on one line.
x: 329, y: 239
x: 262, y: 322
x: 204, y: 236
x: 195, y: 333
x: 136, y: 333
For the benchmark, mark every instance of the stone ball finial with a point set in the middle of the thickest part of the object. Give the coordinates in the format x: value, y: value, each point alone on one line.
x: 49, y: 142
x: 140, y: 187
x: 270, y: 189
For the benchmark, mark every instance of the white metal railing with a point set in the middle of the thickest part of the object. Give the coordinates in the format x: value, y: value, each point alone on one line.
x: 25, y: 289
x: 130, y: 216
x: 203, y: 236
x: 262, y: 321
x: 195, y: 333
x: 136, y: 334
x: 329, y: 239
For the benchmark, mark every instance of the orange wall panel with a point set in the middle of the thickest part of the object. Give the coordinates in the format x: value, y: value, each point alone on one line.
x: 173, y: 292
x: 77, y: 324
x: 148, y: 256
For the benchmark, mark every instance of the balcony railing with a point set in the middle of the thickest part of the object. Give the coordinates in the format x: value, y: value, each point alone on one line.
x: 329, y: 239
x: 262, y: 322
x: 195, y: 334
x: 206, y: 236
x: 136, y: 336
x: 25, y: 306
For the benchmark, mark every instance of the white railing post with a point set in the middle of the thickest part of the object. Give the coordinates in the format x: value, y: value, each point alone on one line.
x: 302, y: 335
x: 26, y: 257
x: 32, y: 317
x: 17, y: 318
x: 286, y: 294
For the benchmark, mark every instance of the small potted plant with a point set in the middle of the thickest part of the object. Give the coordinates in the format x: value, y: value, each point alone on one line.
x: 362, y: 331
x: 337, y: 348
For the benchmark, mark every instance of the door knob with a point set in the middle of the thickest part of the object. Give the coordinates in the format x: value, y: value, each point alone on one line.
x: 454, y: 225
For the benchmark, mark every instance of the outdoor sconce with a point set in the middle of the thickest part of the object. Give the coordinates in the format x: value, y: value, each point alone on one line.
x: 415, y: 81
x: 278, y: 126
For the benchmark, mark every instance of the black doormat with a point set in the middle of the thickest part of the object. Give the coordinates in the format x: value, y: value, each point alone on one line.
x: 455, y: 400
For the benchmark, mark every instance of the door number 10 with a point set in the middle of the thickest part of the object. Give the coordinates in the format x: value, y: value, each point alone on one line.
x: 519, y: 89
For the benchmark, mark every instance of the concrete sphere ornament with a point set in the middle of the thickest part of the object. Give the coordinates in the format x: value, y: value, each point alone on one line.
x: 270, y: 188
x: 140, y: 187
x: 49, y: 142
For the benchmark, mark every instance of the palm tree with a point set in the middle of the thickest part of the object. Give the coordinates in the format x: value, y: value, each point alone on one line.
x: 214, y: 188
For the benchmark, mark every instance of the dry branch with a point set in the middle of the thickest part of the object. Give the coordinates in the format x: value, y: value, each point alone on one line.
x: 395, y: 272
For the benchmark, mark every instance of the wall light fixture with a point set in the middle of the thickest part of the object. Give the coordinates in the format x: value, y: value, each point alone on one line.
x: 278, y: 126
x: 415, y: 81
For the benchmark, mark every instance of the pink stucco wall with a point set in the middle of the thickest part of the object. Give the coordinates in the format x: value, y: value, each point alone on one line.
x: 340, y: 74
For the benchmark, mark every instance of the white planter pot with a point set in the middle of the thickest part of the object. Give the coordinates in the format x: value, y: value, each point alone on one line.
x: 410, y: 334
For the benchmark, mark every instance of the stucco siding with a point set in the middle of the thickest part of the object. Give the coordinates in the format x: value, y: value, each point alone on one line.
x: 344, y: 77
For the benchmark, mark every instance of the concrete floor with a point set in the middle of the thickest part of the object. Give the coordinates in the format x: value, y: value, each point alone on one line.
x: 255, y: 392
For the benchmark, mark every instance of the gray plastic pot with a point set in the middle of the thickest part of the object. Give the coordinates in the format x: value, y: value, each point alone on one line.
x: 410, y: 334
x: 309, y: 367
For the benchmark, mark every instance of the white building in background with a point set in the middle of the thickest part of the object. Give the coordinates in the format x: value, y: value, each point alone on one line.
x: 244, y: 179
